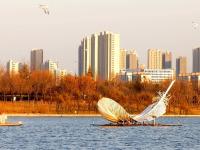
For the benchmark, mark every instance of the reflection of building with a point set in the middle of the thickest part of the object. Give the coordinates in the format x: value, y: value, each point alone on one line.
x: 196, y: 60
x: 181, y: 65
x: 154, y: 59
x: 153, y: 75
x: 167, y: 60
x: 100, y: 53
x: 12, y: 67
x: 132, y: 60
x: 36, y: 59
x: 122, y: 62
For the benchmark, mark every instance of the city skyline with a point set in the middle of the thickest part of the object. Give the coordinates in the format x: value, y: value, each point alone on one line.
x: 141, y: 24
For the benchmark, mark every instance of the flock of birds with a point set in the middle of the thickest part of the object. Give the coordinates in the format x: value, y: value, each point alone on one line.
x: 45, y: 8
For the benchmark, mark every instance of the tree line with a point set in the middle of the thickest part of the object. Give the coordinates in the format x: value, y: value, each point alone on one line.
x: 73, y: 94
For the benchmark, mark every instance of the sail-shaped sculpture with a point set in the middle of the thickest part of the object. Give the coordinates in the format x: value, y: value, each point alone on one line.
x: 156, y: 109
x: 112, y: 111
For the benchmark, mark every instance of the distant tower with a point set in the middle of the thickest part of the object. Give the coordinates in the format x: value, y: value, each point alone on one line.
x: 181, y: 65
x: 132, y: 60
x: 12, y: 67
x: 167, y: 60
x: 196, y: 60
x: 122, y: 62
x: 154, y: 59
x: 36, y: 59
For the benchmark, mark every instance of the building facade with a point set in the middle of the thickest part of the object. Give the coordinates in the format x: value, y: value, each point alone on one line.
x: 36, y: 59
x: 50, y: 66
x: 149, y: 75
x: 196, y: 60
x: 181, y: 65
x: 123, y: 53
x: 154, y: 59
x: 167, y: 60
x: 132, y: 60
x: 100, y: 53
x: 12, y: 67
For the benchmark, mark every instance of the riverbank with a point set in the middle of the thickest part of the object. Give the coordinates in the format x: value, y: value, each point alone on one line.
x: 80, y: 115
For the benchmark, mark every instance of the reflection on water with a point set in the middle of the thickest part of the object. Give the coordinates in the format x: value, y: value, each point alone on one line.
x: 78, y: 133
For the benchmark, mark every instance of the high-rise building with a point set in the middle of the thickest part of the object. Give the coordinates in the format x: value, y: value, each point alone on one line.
x: 50, y: 66
x: 94, y: 55
x: 154, y: 59
x: 181, y: 65
x: 100, y: 53
x: 12, y: 67
x: 167, y: 60
x: 122, y: 62
x: 85, y: 56
x: 132, y: 60
x: 36, y: 59
x: 196, y: 60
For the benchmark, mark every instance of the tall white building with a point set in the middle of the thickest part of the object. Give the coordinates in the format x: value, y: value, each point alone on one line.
x: 50, y: 66
x: 154, y: 59
x: 100, y: 53
x: 12, y: 67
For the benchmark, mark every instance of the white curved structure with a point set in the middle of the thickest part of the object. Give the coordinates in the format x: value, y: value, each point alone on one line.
x: 112, y: 111
x: 156, y: 109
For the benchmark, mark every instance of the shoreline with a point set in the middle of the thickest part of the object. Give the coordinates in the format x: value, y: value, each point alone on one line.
x: 80, y: 115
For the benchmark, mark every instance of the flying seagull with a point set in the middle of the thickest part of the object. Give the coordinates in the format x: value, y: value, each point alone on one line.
x: 195, y: 25
x: 45, y: 8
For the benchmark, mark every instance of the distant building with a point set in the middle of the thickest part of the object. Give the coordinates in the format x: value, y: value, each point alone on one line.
x: 36, y: 59
x: 154, y: 59
x: 12, y: 67
x: 196, y: 60
x: 150, y: 75
x: 100, y: 53
x: 50, y: 66
x: 132, y: 60
x: 60, y: 74
x: 122, y: 62
x: 94, y: 55
x: 181, y: 65
x: 167, y: 60
x: 194, y: 78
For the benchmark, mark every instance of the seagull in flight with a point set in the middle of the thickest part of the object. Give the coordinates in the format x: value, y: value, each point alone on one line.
x: 45, y: 8
x: 195, y: 25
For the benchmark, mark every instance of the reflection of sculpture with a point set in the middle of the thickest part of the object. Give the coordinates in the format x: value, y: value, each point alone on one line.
x: 113, y: 112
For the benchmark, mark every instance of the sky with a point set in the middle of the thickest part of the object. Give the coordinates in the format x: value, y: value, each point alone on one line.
x: 142, y: 24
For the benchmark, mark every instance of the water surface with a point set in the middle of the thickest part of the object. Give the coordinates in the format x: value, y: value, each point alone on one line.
x: 77, y: 133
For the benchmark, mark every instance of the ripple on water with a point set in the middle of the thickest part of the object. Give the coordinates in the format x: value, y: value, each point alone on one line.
x: 77, y: 133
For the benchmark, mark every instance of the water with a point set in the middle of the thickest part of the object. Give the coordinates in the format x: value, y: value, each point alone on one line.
x: 78, y: 133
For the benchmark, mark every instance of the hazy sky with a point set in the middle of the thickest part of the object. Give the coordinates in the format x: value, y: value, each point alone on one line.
x: 142, y: 24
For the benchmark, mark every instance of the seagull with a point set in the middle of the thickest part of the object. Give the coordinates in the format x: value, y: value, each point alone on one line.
x: 45, y: 8
x: 195, y: 25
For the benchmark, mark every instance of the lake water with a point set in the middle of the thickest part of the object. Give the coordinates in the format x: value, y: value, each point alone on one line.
x: 77, y: 133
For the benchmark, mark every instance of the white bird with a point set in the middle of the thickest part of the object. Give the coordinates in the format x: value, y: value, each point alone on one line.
x: 195, y: 25
x: 45, y: 8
